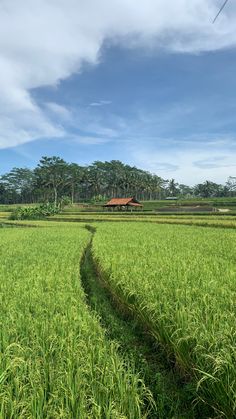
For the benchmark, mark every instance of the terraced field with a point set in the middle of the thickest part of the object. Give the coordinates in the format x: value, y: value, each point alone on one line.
x: 222, y: 221
x: 4, y: 214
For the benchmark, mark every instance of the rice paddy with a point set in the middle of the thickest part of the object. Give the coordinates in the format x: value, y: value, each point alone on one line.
x: 223, y: 221
x: 55, y: 360
x: 65, y: 355
x: 181, y: 284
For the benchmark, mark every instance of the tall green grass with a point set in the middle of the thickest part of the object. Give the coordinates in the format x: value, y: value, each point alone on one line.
x: 55, y: 360
x: 181, y: 282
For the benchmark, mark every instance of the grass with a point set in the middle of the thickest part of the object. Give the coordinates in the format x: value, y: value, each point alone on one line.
x: 180, y: 282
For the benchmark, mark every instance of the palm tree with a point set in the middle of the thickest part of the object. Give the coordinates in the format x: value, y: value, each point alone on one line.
x: 173, y: 187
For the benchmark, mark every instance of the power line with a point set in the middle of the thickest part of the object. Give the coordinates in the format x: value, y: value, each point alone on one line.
x: 222, y: 7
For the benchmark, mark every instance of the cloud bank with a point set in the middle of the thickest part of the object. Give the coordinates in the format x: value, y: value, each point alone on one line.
x: 45, y: 41
x: 188, y: 166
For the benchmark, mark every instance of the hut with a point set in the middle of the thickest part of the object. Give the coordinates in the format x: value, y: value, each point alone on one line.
x: 123, y: 204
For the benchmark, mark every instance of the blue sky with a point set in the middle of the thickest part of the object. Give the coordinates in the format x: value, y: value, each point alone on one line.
x: 160, y: 96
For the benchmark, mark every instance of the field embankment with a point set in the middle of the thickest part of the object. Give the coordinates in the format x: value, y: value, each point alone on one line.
x: 221, y: 221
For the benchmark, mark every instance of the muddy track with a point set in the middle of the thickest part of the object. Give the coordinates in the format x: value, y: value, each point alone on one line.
x: 173, y: 396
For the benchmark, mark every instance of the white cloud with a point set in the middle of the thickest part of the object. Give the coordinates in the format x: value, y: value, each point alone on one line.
x: 94, y: 124
x: 215, y: 162
x: 189, y: 166
x: 101, y: 103
x: 45, y: 41
x: 59, y: 110
x: 89, y: 140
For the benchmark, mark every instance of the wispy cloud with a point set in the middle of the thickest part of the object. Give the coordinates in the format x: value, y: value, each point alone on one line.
x: 101, y: 103
x: 89, y: 140
x: 91, y: 124
x: 60, y: 111
x: 189, y: 165
x: 215, y: 163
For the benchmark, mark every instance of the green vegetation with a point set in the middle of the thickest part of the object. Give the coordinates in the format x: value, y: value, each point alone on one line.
x: 180, y: 283
x: 54, y: 178
x: 34, y: 212
x: 4, y: 214
x: 224, y: 202
x: 222, y: 221
x: 55, y: 358
x: 203, y: 220
x: 9, y: 208
x: 182, y: 207
x: 157, y: 321
x: 173, y: 398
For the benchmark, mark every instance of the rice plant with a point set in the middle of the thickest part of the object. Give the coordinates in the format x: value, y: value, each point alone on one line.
x: 207, y: 220
x: 55, y: 360
x: 181, y: 283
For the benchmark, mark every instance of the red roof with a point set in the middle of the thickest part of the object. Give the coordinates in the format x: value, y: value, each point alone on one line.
x: 123, y: 201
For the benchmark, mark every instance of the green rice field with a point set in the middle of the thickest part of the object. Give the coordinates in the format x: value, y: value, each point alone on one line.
x: 180, y: 282
x: 200, y: 220
x: 118, y: 316
x: 55, y: 359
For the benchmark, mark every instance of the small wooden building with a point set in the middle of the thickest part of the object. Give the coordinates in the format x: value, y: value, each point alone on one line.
x: 123, y: 203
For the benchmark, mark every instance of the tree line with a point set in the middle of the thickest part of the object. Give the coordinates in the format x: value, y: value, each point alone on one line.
x: 53, y: 179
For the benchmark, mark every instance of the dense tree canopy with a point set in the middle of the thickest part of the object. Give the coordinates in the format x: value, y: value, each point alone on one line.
x: 54, y: 178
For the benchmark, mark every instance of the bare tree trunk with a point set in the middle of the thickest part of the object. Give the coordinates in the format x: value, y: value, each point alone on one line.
x: 72, y: 194
x: 55, y: 195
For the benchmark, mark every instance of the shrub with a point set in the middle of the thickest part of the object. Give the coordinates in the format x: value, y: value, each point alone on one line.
x: 34, y: 213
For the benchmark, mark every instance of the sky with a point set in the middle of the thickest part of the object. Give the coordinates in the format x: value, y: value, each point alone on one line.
x: 151, y: 83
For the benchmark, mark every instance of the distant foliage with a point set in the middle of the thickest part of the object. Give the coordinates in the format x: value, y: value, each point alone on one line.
x: 34, y: 213
x: 54, y: 178
x: 99, y: 198
x: 65, y: 201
